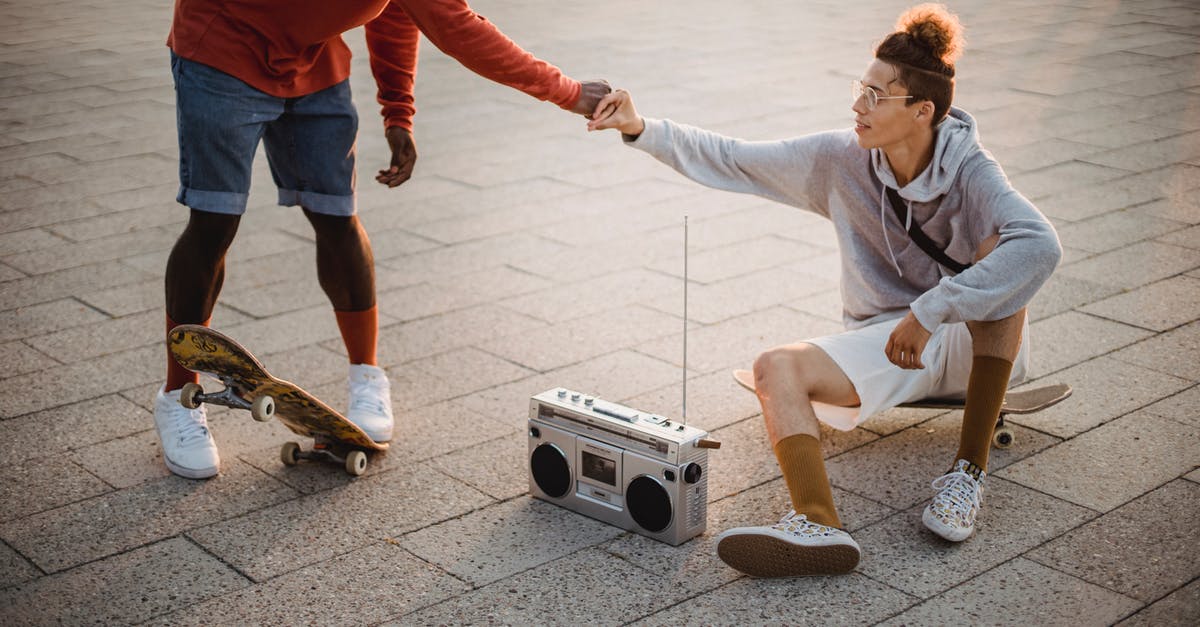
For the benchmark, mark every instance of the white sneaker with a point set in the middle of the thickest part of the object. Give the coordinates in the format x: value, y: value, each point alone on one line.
x: 952, y: 513
x: 371, y: 401
x: 188, y: 447
x: 793, y: 547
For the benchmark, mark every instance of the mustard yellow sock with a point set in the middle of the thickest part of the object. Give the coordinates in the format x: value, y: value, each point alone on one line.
x: 985, y: 397
x: 804, y: 472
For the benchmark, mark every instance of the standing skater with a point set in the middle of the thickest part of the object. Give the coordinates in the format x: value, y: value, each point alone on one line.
x: 277, y: 72
x: 919, y: 323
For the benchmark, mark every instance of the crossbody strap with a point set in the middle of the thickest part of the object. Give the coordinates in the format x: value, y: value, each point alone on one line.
x: 920, y: 238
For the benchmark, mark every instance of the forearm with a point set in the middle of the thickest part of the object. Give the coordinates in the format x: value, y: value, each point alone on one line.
x: 765, y: 169
x: 1000, y: 284
x: 392, y: 40
x: 478, y: 45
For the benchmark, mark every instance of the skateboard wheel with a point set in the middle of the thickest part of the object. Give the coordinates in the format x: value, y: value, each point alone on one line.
x: 263, y: 408
x: 290, y: 454
x: 356, y: 463
x: 187, y: 395
x: 1002, y: 438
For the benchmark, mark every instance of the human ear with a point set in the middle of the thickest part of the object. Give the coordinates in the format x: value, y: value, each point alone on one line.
x: 925, y: 109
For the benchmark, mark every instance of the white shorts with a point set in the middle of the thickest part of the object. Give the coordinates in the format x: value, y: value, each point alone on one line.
x: 882, y: 385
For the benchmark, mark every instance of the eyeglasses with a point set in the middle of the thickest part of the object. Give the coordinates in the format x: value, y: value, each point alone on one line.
x: 859, y: 90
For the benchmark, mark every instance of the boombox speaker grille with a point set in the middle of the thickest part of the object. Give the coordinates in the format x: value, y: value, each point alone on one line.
x: 550, y: 470
x: 649, y: 504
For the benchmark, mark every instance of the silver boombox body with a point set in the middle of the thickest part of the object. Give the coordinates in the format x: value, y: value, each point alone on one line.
x: 628, y: 468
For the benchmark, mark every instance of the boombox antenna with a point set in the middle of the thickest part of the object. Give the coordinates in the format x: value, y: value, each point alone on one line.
x: 685, y: 318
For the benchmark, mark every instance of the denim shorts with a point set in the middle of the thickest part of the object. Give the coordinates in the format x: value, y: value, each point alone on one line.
x: 309, y: 142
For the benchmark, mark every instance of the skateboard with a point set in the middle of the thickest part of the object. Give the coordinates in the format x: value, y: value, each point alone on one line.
x: 1020, y: 402
x: 249, y: 386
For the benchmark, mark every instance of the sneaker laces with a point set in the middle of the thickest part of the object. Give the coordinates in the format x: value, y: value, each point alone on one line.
x: 800, y: 524
x: 958, y: 488
x: 368, y: 395
x: 191, y: 425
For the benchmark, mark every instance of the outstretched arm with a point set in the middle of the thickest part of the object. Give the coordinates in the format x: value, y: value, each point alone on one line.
x: 479, y: 46
x: 791, y: 171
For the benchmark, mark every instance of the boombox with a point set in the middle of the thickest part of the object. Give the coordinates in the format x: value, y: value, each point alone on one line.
x: 628, y: 468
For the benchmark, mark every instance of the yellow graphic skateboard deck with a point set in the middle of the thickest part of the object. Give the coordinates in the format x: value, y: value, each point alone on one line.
x: 249, y: 386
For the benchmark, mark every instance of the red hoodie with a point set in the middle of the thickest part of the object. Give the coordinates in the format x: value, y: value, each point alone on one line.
x: 290, y: 48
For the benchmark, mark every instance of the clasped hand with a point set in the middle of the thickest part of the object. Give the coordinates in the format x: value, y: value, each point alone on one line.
x: 907, y: 342
x: 616, y: 110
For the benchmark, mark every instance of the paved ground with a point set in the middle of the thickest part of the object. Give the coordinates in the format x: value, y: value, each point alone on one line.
x: 527, y: 254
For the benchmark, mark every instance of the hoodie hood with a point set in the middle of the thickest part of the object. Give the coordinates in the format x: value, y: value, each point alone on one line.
x: 956, y: 139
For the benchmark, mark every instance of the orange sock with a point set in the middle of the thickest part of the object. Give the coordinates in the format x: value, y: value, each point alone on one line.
x: 804, y: 473
x: 360, y: 333
x: 177, y: 375
x: 985, y: 396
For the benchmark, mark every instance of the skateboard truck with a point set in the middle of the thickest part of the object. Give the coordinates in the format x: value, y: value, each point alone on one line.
x: 192, y: 395
x: 324, y: 449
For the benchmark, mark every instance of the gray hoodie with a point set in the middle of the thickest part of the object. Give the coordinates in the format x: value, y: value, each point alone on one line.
x: 961, y: 199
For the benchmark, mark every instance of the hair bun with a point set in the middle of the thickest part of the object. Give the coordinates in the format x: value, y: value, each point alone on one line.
x: 936, y: 28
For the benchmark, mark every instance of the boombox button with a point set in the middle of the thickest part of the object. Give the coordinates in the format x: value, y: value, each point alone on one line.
x: 669, y: 474
x: 692, y: 472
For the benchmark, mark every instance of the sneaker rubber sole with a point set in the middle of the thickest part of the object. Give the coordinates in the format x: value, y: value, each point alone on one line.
x: 946, y: 532
x: 190, y: 473
x: 761, y: 555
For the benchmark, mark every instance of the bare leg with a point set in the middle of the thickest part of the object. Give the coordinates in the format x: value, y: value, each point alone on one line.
x: 196, y: 267
x: 345, y: 264
x: 346, y: 271
x: 195, y: 272
x: 787, y: 380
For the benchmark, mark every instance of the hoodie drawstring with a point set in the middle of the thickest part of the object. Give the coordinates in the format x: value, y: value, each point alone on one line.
x: 883, y: 226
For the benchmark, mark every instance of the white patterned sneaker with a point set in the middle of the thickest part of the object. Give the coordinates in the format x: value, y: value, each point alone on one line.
x: 188, y: 447
x: 371, y: 401
x: 952, y: 513
x: 792, y: 547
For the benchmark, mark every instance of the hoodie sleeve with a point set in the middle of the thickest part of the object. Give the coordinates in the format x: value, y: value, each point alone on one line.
x: 393, y: 43
x: 481, y: 47
x: 789, y: 171
x: 1006, y: 280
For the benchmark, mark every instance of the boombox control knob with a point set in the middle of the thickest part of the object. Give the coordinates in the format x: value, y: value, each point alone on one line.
x: 692, y: 472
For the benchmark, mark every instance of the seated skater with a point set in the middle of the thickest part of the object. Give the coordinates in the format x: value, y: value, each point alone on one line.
x: 915, y: 328
x: 277, y: 72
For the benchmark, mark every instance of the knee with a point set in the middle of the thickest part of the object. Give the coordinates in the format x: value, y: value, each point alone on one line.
x: 776, y: 362
x: 209, y: 233
x: 333, y: 228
